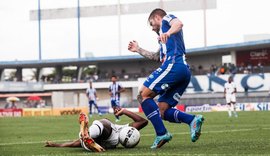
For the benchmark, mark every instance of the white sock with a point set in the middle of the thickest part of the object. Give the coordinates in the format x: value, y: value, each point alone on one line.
x: 234, y: 111
x: 229, y: 111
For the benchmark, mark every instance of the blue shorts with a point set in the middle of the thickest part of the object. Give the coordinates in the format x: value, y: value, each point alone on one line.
x: 115, y: 103
x: 169, y: 81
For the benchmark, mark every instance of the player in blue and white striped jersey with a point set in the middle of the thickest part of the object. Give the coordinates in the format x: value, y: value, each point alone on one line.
x: 115, y: 89
x: 169, y: 81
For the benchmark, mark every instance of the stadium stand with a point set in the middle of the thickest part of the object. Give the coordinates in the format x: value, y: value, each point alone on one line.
x: 247, y: 57
x: 65, y: 86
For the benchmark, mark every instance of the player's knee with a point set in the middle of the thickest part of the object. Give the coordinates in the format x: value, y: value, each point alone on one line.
x: 163, y: 106
x: 145, y: 93
x: 141, y: 97
x: 162, y: 113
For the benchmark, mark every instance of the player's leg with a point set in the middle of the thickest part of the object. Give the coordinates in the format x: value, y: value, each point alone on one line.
x: 151, y: 111
x: 90, y: 108
x: 87, y: 142
x: 170, y: 99
x: 177, y: 82
x: 114, y: 107
x: 156, y: 84
x: 95, y: 104
x: 177, y: 116
x: 234, y: 109
x: 229, y: 106
x: 233, y: 103
x: 174, y: 85
x: 174, y: 115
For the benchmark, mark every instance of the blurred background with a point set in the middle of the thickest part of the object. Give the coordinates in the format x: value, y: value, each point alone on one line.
x: 50, y: 49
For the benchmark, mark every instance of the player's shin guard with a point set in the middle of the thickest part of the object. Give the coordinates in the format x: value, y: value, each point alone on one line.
x: 151, y: 110
x: 176, y: 116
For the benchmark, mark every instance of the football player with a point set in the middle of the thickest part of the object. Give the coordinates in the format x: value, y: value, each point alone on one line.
x: 229, y: 94
x: 102, y: 134
x: 169, y: 81
x: 91, y: 94
x: 115, y: 89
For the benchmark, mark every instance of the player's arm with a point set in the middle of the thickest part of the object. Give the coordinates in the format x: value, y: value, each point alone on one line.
x: 110, y: 91
x: 176, y: 26
x: 150, y: 55
x: 95, y: 94
x: 75, y: 143
x: 235, y: 90
x: 133, y: 46
x: 122, y: 89
x: 224, y: 91
x: 87, y: 94
x: 83, y: 121
x: 139, y: 122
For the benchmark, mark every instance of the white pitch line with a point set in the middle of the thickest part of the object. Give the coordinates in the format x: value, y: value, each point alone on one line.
x: 30, y: 142
x: 132, y: 154
x: 180, y: 133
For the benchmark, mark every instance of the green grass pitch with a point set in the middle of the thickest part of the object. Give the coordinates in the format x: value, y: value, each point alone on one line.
x: 249, y: 134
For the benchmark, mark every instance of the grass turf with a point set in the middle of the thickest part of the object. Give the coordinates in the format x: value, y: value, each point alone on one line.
x: 249, y: 134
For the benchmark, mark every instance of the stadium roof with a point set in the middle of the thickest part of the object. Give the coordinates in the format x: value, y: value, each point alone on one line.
x: 96, y: 60
x: 67, y: 62
x: 231, y: 47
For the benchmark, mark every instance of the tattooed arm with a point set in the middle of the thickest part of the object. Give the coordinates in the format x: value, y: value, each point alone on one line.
x: 147, y: 54
x: 133, y: 46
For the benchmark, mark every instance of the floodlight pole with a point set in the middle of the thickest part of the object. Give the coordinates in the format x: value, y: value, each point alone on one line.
x: 161, y: 4
x: 119, y: 27
x: 204, y: 22
x: 79, y: 30
x: 39, y: 31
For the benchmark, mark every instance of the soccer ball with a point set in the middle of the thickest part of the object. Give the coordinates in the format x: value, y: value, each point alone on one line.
x: 129, y: 137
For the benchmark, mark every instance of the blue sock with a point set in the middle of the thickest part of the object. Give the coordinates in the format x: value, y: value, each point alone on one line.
x: 174, y: 115
x: 151, y: 110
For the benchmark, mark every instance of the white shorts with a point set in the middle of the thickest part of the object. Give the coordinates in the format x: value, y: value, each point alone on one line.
x: 230, y: 98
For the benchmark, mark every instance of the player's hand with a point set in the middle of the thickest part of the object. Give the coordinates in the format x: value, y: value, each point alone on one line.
x: 49, y: 144
x: 133, y: 46
x: 119, y: 111
x: 164, y: 37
